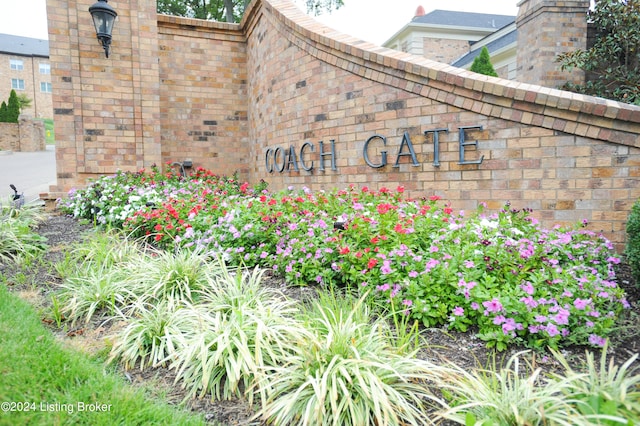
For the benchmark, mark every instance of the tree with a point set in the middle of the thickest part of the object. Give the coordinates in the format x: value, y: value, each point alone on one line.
x: 482, y: 63
x: 24, y: 101
x: 229, y: 10
x: 13, y: 107
x: 612, y: 64
x: 3, y: 112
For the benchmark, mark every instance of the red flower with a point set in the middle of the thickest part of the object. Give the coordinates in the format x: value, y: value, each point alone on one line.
x: 448, y: 210
x: 344, y: 250
x: 372, y: 262
x: 434, y: 197
x: 400, y: 189
x: 272, y: 202
x: 243, y: 187
x: 374, y: 240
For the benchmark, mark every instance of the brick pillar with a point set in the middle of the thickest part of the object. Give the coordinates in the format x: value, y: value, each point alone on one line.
x: 106, y: 110
x: 547, y: 28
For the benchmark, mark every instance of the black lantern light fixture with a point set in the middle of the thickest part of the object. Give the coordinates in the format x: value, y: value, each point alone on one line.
x: 103, y: 18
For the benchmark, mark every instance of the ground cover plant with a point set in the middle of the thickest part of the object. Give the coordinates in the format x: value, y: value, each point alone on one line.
x: 500, y: 273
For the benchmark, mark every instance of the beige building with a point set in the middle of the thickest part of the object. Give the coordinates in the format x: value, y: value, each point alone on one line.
x: 456, y: 38
x: 25, y: 67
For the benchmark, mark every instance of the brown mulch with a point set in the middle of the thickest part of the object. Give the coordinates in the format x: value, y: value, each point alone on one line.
x: 463, y: 349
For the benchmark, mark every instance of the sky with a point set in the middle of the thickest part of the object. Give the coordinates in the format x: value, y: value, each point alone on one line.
x: 371, y: 20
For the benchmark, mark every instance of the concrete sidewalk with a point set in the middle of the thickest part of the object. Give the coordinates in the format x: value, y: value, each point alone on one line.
x: 31, y: 172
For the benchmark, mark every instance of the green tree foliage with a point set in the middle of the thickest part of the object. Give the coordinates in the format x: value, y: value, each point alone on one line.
x: 13, y: 107
x: 612, y: 65
x: 3, y: 112
x: 24, y: 101
x: 633, y: 240
x: 482, y: 64
x: 229, y: 10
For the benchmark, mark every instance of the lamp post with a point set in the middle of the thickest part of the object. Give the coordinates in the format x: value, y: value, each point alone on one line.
x: 103, y: 18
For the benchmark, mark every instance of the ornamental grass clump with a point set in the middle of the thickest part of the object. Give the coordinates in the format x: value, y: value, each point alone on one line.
x: 17, y: 236
x: 240, y: 328
x: 605, y: 392
x: 348, y: 373
x: 95, y: 290
x: 517, y: 394
x: 181, y: 275
x: 152, y: 334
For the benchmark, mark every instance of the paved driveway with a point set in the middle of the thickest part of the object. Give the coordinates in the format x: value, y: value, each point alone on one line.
x: 30, y: 172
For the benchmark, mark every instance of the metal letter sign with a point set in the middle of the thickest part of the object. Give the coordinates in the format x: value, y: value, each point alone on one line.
x: 461, y: 140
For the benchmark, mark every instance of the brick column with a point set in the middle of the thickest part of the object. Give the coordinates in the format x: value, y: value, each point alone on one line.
x: 547, y: 28
x: 106, y: 110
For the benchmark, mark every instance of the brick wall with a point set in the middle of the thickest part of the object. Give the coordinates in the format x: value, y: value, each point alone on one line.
x: 547, y: 28
x: 9, y: 137
x: 278, y: 90
x: 203, y: 76
x: 25, y: 136
x: 444, y: 50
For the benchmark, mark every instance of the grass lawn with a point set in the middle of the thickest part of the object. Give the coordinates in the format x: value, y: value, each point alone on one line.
x: 42, y: 383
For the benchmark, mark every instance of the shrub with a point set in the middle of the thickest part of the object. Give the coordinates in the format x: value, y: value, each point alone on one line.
x: 482, y: 63
x: 632, y: 250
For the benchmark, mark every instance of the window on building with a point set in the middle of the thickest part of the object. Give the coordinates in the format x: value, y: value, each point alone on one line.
x: 16, y: 64
x: 17, y: 84
x: 45, y: 69
x: 45, y: 87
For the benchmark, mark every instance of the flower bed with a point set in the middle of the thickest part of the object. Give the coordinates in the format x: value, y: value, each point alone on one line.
x: 501, y: 273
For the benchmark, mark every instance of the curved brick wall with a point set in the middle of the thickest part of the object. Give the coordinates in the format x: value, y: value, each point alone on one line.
x: 567, y: 156
x: 282, y: 98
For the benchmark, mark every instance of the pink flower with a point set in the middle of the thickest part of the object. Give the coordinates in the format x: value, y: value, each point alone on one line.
x: 386, y: 267
x: 596, y: 340
x: 499, y: 319
x: 493, y: 305
x: 527, y: 287
x: 581, y: 303
x: 458, y: 311
x: 552, y: 330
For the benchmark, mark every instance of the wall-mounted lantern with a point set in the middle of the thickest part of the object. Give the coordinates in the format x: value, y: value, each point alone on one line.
x: 103, y: 18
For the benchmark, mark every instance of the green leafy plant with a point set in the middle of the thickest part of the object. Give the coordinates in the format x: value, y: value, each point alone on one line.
x: 606, y: 393
x: 349, y: 373
x: 632, y: 250
x: 612, y: 64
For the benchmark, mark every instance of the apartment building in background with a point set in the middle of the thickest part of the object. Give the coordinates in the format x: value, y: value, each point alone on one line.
x: 25, y: 67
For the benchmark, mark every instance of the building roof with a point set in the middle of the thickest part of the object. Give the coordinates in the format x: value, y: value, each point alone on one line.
x: 509, y: 36
x: 23, y: 46
x: 464, y: 19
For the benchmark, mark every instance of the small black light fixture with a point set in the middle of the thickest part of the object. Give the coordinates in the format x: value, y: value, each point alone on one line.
x: 103, y: 18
